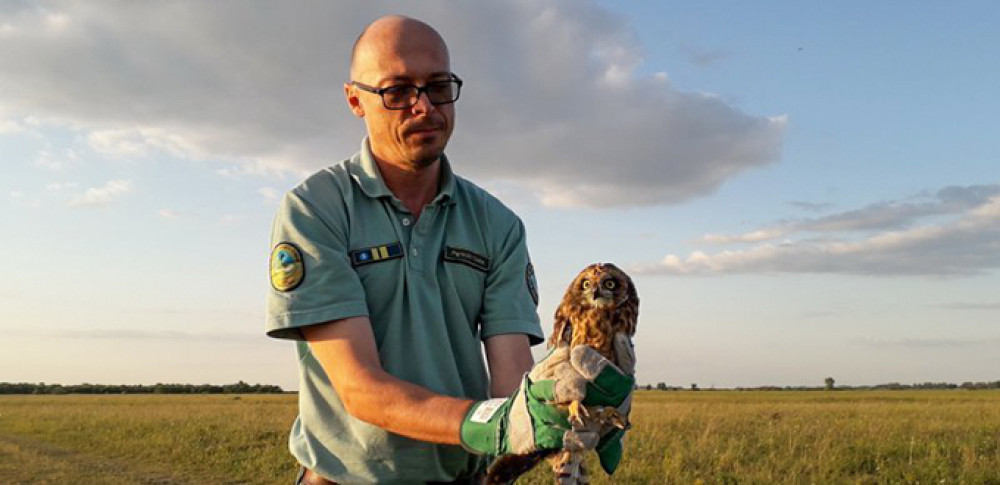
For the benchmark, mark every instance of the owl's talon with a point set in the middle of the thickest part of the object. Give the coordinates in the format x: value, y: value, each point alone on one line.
x: 576, y: 414
x: 614, y: 417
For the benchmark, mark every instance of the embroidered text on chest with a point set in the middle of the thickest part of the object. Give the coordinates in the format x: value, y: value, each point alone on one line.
x: 466, y: 257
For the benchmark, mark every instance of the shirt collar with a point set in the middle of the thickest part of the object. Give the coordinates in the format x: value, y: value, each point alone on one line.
x: 365, y: 171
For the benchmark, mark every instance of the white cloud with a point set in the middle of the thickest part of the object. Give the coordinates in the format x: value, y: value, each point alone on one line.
x: 18, y: 197
x: 9, y: 127
x: 102, y: 196
x: 927, y: 342
x: 144, y: 334
x: 234, y: 218
x: 553, y: 101
x: 993, y: 306
x: 118, y: 143
x: 56, y: 21
x: 968, y: 243
x: 703, y: 57
x: 879, y: 216
x: 811, y: 206
x: 270, y: 194
x: 60, y: 186
x: 50, y: 161
x: 750, y: 237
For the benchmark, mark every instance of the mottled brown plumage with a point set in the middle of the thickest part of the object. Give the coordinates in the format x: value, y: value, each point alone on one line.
x: 600, y: 303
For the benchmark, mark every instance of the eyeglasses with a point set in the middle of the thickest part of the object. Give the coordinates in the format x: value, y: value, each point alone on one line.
x: 405, y: 96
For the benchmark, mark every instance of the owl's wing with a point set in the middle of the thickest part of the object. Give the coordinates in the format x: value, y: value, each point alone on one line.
x: 628, y: 315
x: 562, y: 330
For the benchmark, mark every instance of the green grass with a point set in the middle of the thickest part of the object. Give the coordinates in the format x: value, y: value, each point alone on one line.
x: 678, y: 437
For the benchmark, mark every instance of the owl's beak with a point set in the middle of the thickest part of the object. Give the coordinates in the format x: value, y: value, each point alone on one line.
x: 600, y: 300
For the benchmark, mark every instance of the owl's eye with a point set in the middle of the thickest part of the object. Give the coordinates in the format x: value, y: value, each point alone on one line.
x: 585, y: 285
x: 610, y: 284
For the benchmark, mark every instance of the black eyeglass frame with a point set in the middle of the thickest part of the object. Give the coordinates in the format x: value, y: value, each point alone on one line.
x: 420, y: 90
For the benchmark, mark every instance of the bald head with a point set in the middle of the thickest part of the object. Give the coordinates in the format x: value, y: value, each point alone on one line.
x: 403, y: 53
x: 393, y: 36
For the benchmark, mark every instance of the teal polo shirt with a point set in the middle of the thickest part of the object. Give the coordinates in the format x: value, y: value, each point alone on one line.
x: 434, y: 288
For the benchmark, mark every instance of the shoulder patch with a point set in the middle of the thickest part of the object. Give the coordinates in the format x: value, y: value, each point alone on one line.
x: 376, y: 254
x: 529, y: 277
x: 466, y: 257
x: 287, y: 268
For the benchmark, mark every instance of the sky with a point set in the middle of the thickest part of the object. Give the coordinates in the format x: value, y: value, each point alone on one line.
x: 800, y: 190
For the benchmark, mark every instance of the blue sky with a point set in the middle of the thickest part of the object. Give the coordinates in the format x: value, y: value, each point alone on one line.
x: 799, y: 190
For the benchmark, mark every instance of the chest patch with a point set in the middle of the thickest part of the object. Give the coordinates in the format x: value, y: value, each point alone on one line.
x: 376, y: 254
x: 466, y: 257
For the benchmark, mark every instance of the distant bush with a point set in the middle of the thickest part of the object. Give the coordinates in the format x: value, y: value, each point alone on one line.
x: 158, y: 388
x: 829, y: 384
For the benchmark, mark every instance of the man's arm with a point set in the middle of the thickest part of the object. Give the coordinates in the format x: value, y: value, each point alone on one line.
x: 509, y: 358
x: 346, y: 349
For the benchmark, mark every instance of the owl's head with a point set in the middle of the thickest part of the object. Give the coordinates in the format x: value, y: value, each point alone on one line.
x: 602, y: 285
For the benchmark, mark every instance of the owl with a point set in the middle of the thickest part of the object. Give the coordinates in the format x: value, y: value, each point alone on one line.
x: 600, y: 304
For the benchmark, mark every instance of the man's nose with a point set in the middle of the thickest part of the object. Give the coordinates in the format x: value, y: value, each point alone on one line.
x: 423, y: 104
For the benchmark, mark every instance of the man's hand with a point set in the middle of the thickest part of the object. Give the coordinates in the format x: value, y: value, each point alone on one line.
x: 582, y: 374
x: 525, y: 422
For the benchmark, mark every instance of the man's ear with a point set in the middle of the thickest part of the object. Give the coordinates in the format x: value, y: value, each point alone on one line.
x: 353, y: 101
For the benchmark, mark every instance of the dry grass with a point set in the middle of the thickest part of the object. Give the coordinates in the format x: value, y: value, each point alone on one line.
x: 811, y: 437
x: 147, y: 438
x: 679, y: 437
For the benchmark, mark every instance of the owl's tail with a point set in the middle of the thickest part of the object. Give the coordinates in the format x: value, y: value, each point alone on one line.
x: 507, y: 468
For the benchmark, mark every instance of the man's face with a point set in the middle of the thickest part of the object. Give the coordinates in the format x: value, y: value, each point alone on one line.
x: 409, y: 138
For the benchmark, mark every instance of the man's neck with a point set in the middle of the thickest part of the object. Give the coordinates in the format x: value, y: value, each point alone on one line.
x: 415, y: 187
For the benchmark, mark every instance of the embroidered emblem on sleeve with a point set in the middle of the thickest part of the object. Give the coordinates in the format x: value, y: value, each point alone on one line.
x: 529, y: 277
x: 287, y: 268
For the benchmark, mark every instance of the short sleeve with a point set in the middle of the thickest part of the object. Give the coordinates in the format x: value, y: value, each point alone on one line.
x: 510, y: 303
x: 312, y: 280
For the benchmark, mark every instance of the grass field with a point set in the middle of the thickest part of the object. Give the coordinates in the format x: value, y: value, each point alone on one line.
x: 679, y: 437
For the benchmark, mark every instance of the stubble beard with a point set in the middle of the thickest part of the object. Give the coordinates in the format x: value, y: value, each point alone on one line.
x: 425, y: 156
x: 423, y: 162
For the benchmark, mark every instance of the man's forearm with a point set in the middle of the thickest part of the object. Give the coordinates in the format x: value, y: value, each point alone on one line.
x: 406, y: 409
x: 509, y: 358
x: 346, y: 349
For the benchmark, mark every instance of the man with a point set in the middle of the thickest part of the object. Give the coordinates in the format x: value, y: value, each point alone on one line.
x: 390, y: 270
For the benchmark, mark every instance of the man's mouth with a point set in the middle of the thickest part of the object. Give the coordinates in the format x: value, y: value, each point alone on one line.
x: 422, y: 129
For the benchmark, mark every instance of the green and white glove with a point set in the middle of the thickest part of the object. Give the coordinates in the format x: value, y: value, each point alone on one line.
x: 523, y: 423
x: 585, y: 375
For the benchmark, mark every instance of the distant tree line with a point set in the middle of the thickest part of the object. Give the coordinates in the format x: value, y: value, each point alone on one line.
x: 829, y: 386
x: 158, y: 388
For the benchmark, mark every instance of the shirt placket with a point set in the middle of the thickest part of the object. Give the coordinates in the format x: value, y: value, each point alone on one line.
x: 418, y: 250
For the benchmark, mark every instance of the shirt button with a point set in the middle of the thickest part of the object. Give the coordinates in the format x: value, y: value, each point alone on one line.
x: 414, y: 252
x: 406, y: 221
